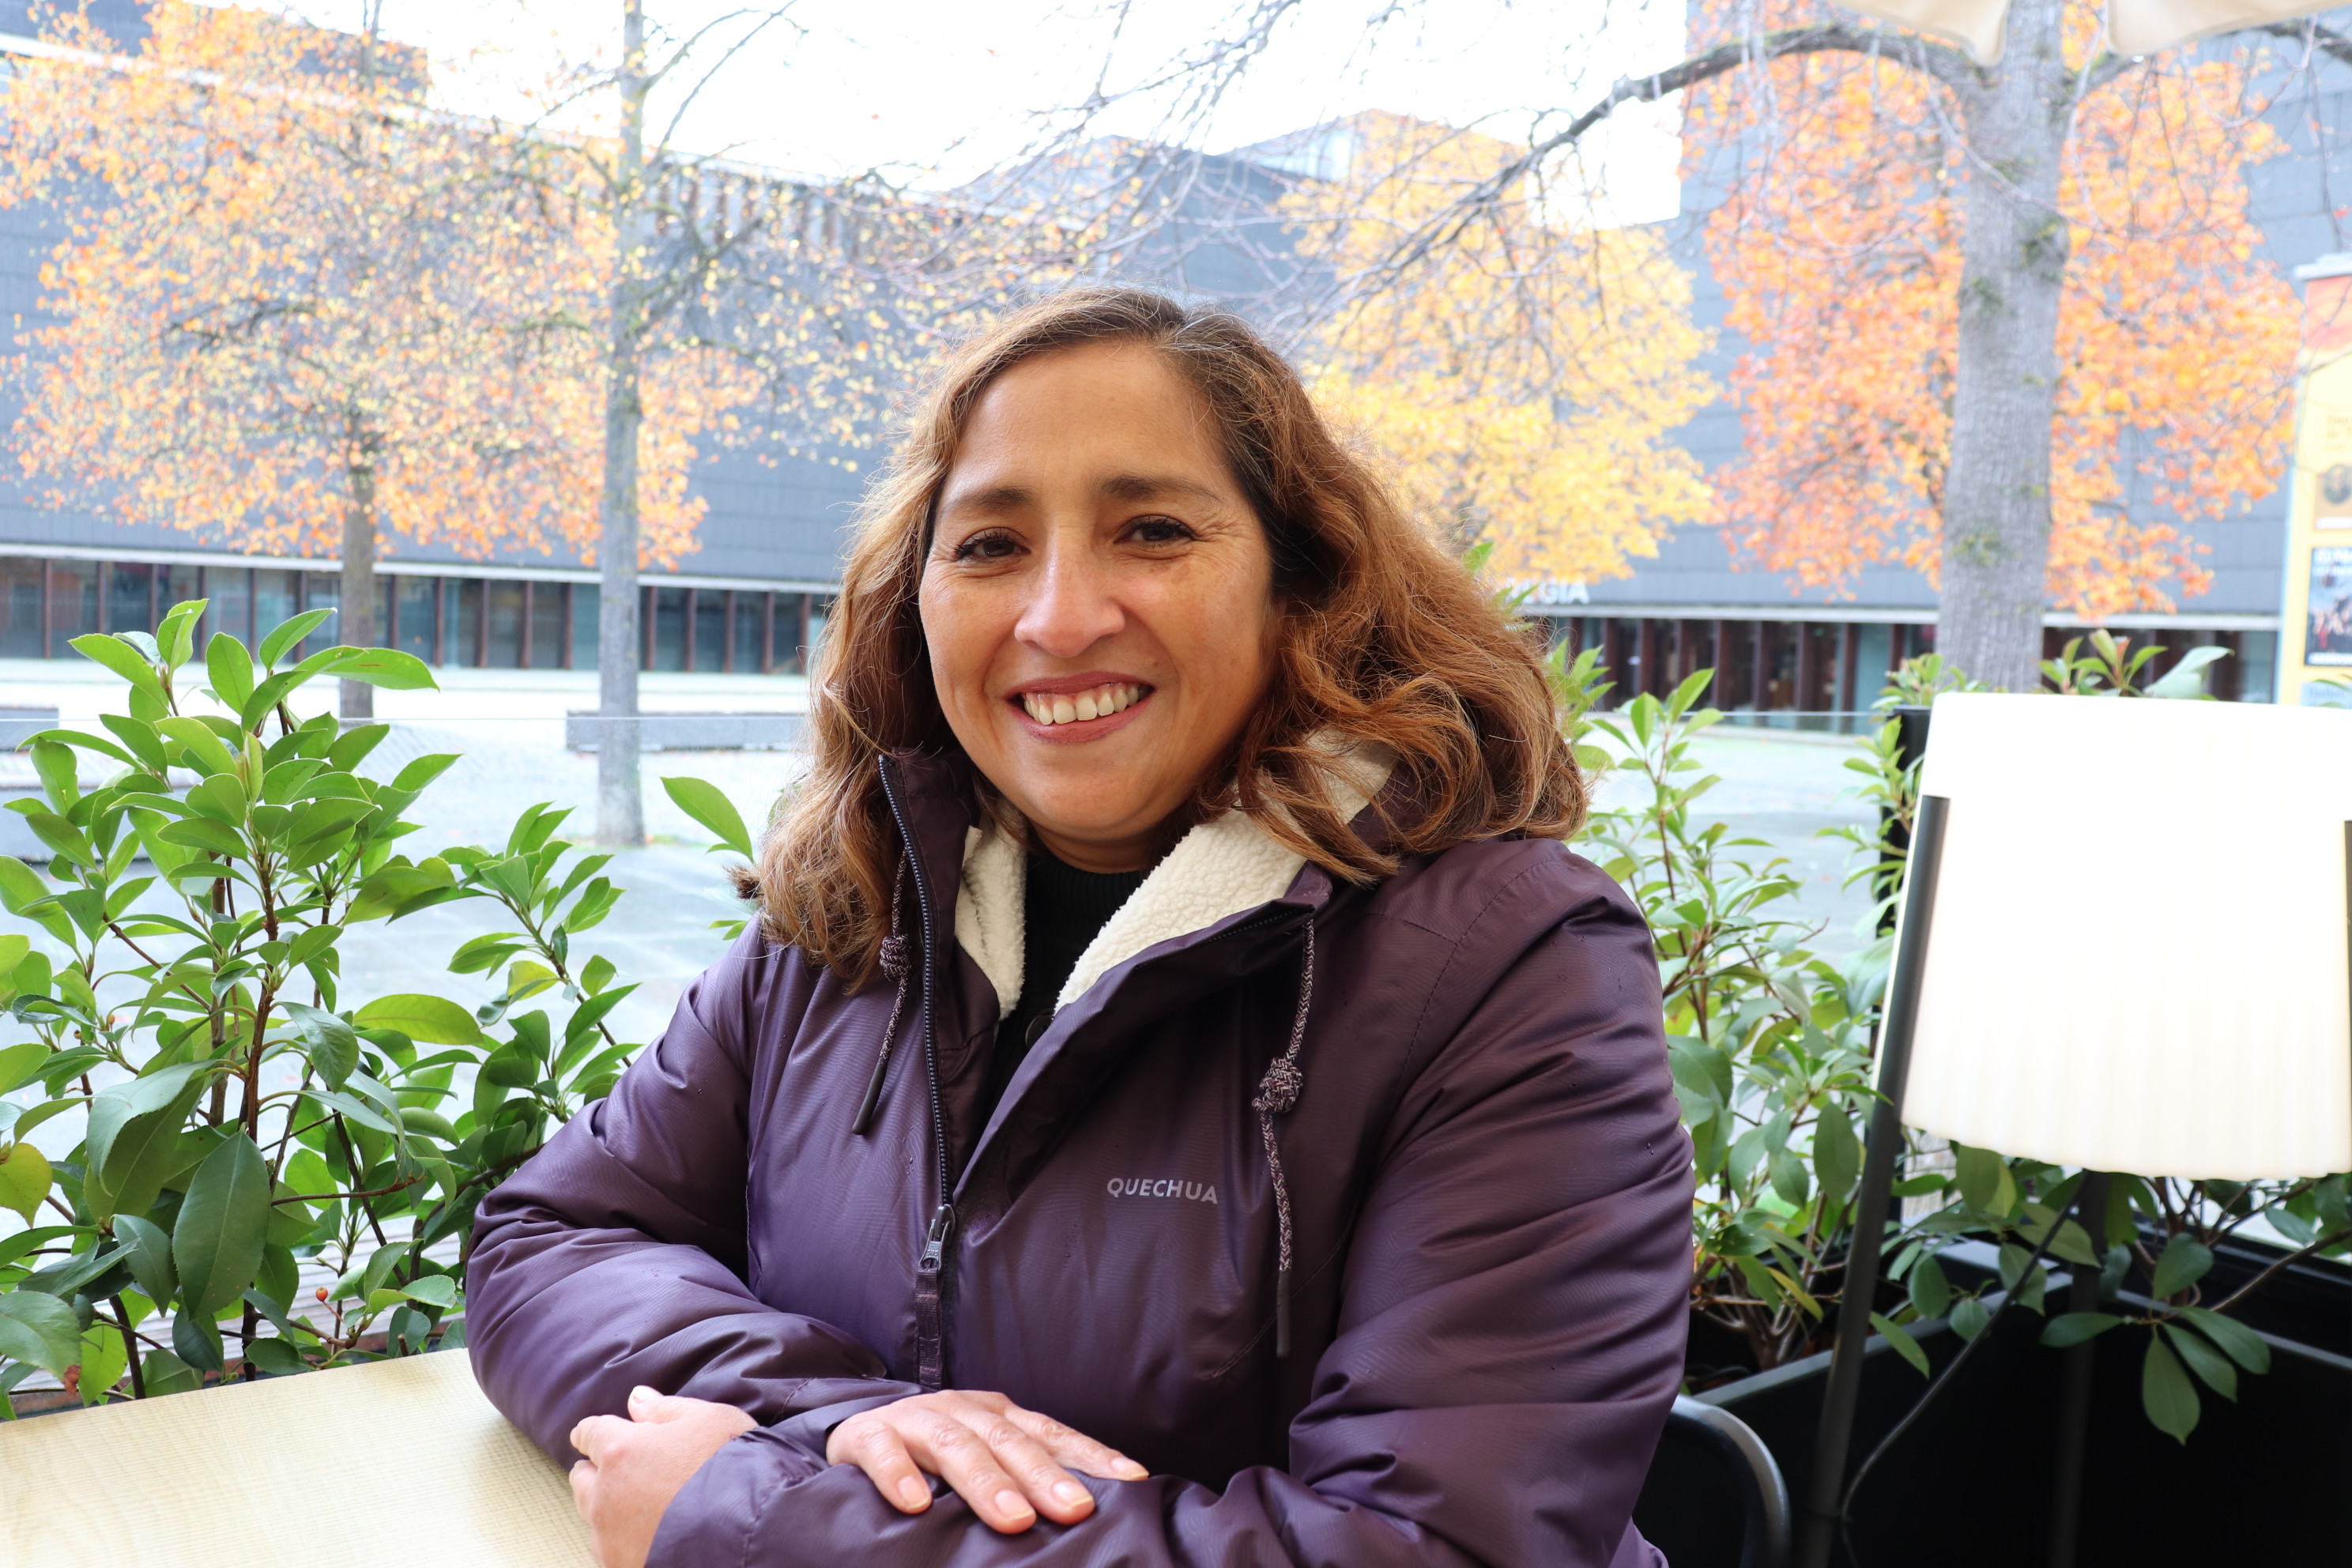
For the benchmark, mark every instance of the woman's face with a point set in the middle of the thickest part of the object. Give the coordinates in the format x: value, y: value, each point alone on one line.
x: 1099, y: 599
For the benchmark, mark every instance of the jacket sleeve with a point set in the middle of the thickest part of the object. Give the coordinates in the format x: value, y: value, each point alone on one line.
x: 614, y: 1257
x: 1512, y: 1325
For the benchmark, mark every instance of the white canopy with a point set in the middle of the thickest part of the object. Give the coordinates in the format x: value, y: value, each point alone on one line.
x: 2134, y: 26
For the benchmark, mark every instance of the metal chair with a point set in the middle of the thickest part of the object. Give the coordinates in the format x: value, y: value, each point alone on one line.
x: 1763, y: 1493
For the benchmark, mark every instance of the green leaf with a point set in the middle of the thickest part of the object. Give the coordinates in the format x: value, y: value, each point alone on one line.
x: 1837, y: 1155
x: 384, y: 666
x: 40, y: 1328
x: 432, y: 1020
x: 1986, y: 1184
x: 18, y: 1063
x: 196, y: 738
x: 1788, y: 1177
x: 2184, y: 1262
x: 121, y: 657
x: 2240, y: 1344
x: 332, y: 1046
x: 21, y: 886
x: 165, y: 1373
x: 705, y: 804
x: 216, y: 1241
x: 593, y: 979
x: 104, y: 1360
x: 151, y: 1257
x: 1905, y: 1345
x: 24, y: 1180
x: 176, y: 634
x: 133, y: 1138
x: 2212, y: 1367
x: 1969, y: 1317
x: 230, y: 668
x: 277, y: 1357
x: 59, y: 771
x: 198, y: 1341
x: 288, y: 633
x: 2166, y: 1392
x: 2187, y: 678
x: 2073, y: 1327
x: 433, y: 1290
x: 1931, y: 1292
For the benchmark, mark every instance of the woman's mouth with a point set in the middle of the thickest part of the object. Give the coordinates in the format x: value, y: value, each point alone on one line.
x: 1078, y: 707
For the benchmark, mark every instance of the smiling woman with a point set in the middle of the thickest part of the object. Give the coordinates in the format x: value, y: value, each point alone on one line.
x: 1163, y: 769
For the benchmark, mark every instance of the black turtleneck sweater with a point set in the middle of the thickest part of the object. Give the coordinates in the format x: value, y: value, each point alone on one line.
x: 1065, y: 910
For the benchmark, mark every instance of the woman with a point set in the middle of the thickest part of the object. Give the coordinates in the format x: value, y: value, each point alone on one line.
x: 1182, y: 1095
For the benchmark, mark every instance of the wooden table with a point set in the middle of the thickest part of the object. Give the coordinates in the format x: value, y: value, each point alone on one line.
x: 401, y: 1464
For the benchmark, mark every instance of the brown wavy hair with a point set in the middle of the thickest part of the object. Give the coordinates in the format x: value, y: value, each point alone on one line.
x: 1381, y: 639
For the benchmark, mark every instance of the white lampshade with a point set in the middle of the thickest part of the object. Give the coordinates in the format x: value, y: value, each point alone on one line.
x: 2133, y: 27
x: 2139, y: 952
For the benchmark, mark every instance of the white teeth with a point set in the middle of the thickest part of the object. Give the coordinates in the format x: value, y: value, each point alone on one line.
x: 1074, y: 708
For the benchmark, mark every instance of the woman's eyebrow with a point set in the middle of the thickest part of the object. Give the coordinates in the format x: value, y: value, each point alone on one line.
x: 989, y: 499
x: 1149, y: 487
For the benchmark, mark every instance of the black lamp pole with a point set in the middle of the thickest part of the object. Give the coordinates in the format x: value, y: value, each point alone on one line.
x: 2074, y: 1405
x: 1818, y: 1526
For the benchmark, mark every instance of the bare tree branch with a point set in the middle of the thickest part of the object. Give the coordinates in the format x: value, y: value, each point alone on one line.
x: 1945, y: 64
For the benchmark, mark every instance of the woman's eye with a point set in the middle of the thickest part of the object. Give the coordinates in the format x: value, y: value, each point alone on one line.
x: 986, y: 547
x: 1159, y: 530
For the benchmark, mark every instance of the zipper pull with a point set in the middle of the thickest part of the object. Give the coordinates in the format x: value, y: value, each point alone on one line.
x: 935, y: 1244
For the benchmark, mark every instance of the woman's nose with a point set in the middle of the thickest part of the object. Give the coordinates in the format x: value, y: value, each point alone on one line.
x: 1071, y: 607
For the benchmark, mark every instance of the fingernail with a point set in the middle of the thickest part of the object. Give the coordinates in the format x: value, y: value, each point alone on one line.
x: 1069, y: 1494
x: 1128, y: 1470
x: 1012, y: 1505
x: 914, y: 1494
x: 641, y: 1394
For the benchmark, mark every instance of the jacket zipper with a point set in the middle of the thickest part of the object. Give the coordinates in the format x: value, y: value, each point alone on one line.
x: 930, y: 1318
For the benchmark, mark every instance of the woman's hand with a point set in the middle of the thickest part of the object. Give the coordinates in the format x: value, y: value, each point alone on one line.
x: 633, y: 1467
x: 1009, y: 1464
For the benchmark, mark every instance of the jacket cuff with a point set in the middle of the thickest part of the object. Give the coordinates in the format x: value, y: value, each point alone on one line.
x: 712, y: 1519
x: 812, y: 1429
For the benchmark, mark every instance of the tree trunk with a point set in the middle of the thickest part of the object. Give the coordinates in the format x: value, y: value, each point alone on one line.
x: 620, y: 798
x: 2014, y: 245
x: 357, y: 608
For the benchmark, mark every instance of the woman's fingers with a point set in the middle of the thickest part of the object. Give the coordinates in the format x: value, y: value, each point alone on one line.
x: 954, y: 1450
x: 1012, y: 1466
x: 1073, y: 1449
x: 1052, y: 1490
x: 875, y: 1447
x: 595, y: 1434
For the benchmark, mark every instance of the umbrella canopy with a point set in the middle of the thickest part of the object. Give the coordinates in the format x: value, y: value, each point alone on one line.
x: 2134, y: 26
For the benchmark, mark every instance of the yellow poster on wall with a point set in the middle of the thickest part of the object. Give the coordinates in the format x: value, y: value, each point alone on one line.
x: 2315, y: 625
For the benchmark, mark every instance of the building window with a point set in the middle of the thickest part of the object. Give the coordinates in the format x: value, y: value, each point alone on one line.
x: 410, y: 624
x: 584, y: 600
x: 20, y: 607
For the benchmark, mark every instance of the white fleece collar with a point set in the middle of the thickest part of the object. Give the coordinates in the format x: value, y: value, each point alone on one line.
x: 1221, y: 867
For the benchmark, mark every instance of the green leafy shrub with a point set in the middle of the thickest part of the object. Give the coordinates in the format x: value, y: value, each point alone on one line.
x: 237, y: 1115
x: 1772, y: 1045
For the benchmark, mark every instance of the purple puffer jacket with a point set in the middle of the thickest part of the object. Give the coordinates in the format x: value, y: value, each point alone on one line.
x: 1476, y: 1165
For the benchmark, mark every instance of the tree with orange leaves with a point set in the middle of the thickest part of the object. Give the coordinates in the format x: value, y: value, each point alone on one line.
x: 1985, y: 273
x: 291, y: 308
x: 1843, y: 255
x: 1524, y: 379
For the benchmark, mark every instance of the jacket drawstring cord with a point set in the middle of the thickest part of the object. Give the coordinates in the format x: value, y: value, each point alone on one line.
x: 896, y: 968
x: 1277, y: 1092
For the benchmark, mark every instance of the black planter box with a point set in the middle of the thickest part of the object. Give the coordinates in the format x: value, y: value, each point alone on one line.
x: 2261, y: 1481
